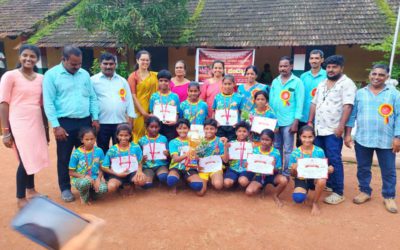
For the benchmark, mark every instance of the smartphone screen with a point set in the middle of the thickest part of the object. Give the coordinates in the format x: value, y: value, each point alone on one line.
x: 47, y: 223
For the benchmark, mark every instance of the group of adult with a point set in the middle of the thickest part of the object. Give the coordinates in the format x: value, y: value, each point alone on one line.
x: 70, y: 99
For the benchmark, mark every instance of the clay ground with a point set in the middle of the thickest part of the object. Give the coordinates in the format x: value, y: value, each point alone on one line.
x: 156, y: 219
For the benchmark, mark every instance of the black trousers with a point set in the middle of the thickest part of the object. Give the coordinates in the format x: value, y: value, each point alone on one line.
x: 64, y: 148
x: 168, y: 131
x: 107, y: 132
x: 24, y: 180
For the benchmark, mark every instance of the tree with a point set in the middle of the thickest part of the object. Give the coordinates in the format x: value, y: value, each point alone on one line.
x: 134, y: 23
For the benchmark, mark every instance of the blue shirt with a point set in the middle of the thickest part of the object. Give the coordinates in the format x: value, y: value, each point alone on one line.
x: 68, y: 95
x: 145, y: 140
x: 232, y: 102
x: 297, y: 153
x: 287, y: 100
x: 86, y: 163
x: 269, y: 113
x: 248, y: 95
x: 114, y: 98
x: 175, y: 147
x: 212, y: 147
x: 170, y: 99
x: 272, y: 152
x: 196, y: 112
x: 115, y: 152
x: 372, y: 129
x: 310, y: 87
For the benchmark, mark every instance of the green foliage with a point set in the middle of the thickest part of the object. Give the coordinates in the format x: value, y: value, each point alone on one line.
x: 46, y: 30
x: 122, y: 68
x: 188, y: 33
x: 132, y: 22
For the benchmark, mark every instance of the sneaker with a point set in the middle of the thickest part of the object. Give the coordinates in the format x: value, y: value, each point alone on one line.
x: 361, y: 198
x: 390, y: 205
x: 67, y: 196
x: 334, y: 199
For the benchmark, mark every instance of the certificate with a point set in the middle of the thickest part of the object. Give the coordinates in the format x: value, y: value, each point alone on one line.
x: 260, y: 164
x: 312, y: 168
x: 240, y: 150
x: 210, y: 164
x: 260, y: 123
x: 124, y: 163
x: 183, y: 150
x: 226, y: 117
x: 156, y: 153
x: 198, y: 128
x: 165, y: 112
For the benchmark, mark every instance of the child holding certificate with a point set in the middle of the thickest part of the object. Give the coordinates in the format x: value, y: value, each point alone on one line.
x: 239, y: 148
x: 194, y: 109
x: 123, y: 161
x: 302, y: 185
x: 165, y: 105
x: 258, y: 114
x: 226, y: 108
x: 155, y: 152
x: 275, y: 178
x: 84, y: 167
x: 211, y: 156
x: 179, y: 148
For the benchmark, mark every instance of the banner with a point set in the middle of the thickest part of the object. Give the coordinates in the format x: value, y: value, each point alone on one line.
x: 236, y: 61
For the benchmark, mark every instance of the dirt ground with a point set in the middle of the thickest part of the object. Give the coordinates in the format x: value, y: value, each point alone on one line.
x: 157, y: 219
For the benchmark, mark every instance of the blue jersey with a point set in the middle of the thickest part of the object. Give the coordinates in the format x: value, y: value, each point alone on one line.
x: 164, y: 99
x: 176, y: 147
x: 213, y: 147
x: 115, y: 153
x: 228, y: 102
x: 297, y: 153
x: 268, y: 113
x: 237, y: 165
x: 146, y: 141
x: 272, y: 152
x: 86, y: 163
x: 196, y: 112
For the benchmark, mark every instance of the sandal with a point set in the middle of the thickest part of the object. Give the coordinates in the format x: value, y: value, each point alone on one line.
x: 334, y: 199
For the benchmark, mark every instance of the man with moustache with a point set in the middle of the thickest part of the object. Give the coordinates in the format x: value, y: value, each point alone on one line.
x: 311, y: 79
x: 286, y: 99
x: 377, y: 112
x: 331, y: 108
x: 70, y: 103
x: 115, y: 100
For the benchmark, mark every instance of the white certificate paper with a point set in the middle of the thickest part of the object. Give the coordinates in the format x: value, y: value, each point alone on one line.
x: 183, y: 150
x: 210, y: 164
x: 122, y: 164
x: 198, y: 128
x: 312, y: 168
x: 159, y: 149
x: 261, y: 164
x: 235, y: 150
x: 223, y: 120
x: 260, y: 123
x: 166, y: 113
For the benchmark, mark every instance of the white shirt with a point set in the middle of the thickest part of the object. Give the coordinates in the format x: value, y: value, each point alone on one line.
x: 329, y: 104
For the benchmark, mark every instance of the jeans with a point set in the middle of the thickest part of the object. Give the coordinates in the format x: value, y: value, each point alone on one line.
x: 64, y: 148
x: 332, y: 147
x: 107, y: 132
x: 387, y: 163
x: 284, y: 142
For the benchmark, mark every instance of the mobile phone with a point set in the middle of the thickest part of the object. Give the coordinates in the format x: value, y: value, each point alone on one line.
x: 48, y: 223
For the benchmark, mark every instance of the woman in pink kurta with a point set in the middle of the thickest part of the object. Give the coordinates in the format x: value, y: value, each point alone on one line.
x: 22, y: 120
x: 212, y: 86
x: 179, y: 84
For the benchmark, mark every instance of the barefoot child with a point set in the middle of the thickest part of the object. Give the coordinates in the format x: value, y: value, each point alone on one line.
x: 215, y: 146
x: 179, y: 148
x: 277, y: 179
x: 261, y: 109
x: 301, y: 185
x: 237, y: 171
x: 123, y: 161
x: 165, y: 99
x: 227, y: 104
x: 84, y: 167
x: 152, y: 162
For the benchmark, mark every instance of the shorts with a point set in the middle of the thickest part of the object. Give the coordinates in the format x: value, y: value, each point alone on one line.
x: 150, y: 172
x: 227, y: 131
x: 307, y: 184
x: 233, y: 175
x: 124, y: 180
x: 185, y: 174
x: 264, y: 180
x: 207, y: 176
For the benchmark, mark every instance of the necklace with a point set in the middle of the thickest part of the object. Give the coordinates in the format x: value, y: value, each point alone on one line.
x: 30, y: 77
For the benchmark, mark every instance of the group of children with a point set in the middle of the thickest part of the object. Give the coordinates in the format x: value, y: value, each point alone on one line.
x: 164, y: 151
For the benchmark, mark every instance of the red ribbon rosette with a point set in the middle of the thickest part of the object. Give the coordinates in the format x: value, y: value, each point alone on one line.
x: 285, y: 97
x: 122, y: 94
x: 385, y: 110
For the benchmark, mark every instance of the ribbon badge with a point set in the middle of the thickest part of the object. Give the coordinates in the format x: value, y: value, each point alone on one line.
x: 313, y: 92
x: 285, y: 97
x: 122, y: 94
x: 385, y: 110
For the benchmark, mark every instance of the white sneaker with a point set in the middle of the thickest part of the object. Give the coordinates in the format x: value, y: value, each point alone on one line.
x: 334, y: 199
